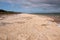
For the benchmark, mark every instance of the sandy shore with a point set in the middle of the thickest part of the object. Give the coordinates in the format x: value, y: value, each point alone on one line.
x: 28, y: 27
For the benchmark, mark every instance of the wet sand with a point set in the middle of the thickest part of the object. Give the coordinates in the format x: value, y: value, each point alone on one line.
x: 29, y: 27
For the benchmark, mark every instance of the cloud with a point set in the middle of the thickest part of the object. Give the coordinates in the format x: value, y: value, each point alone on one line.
x: 35, y: 3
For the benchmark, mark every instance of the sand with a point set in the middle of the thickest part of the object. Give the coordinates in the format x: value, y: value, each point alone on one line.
x: 28, y: 27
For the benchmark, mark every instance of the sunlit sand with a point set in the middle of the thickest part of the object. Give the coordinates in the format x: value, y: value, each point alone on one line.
x: 28, y: 27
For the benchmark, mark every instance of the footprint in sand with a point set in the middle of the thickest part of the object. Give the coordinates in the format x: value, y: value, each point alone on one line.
x: 1, y: 18
x: 4, y: 23
x: 44, y: 25
x: 20, y: 22
x: 28, y: 18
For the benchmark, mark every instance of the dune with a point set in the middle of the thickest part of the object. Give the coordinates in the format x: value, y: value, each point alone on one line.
x: 28, y: 27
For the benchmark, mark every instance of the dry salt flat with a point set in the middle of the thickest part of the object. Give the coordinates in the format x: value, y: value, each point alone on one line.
x: 28, y: 27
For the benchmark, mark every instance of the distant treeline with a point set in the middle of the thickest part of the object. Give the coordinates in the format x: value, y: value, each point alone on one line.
x: 7, y: 12
x: 4, y: 11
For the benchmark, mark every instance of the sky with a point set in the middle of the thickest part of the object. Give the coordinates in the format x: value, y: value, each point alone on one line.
x: 31, y: 6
